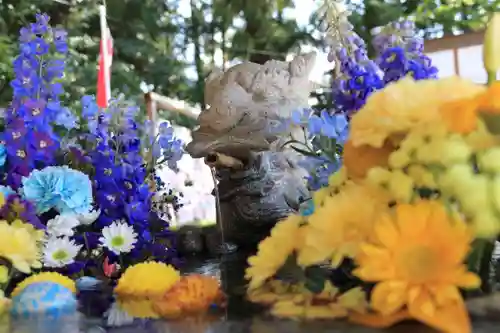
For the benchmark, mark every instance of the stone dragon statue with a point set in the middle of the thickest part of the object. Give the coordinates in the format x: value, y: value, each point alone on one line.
x: 259, y: 180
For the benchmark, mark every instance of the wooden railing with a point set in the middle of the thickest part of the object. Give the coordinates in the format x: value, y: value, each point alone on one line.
x: 454, y: 43
x: 155, y: 101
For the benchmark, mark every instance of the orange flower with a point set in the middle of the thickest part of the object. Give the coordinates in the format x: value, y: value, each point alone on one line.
x: 461, y: 116
x: 193, y: 294
x: 488, y: 101
x: 358, y: 160
x: 417, y: 260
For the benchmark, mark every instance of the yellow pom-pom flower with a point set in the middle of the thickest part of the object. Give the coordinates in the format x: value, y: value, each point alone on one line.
x: 143, y: 284
x: 19, y: 247
x: 421, y: 176
x: 46, y: 277
x: 401, y: 186
x: 417, y: 260
x: 274, y: 250
x: 147, y: 279
x: 489, y: 160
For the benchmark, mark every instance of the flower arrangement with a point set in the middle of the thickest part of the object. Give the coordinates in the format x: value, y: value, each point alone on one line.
x: 398, y: 53
x: 76, y: 191
x: 409, y: 220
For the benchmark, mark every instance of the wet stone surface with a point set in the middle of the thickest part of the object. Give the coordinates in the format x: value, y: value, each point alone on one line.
x: 239, y: 317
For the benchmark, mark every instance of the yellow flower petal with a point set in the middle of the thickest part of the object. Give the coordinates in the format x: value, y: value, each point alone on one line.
x: 387, y: 298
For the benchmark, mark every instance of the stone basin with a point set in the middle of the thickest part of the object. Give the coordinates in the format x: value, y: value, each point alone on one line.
x: 239, y: 316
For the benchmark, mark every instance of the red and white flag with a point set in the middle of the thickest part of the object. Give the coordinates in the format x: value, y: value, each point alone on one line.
x: 105, y: 60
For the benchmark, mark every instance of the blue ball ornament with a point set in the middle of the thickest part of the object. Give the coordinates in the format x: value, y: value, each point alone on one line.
x: 44, y: 298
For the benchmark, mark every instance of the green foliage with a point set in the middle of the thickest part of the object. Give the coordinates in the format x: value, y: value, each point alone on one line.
x: 151, y: 37
x: 144, y: 35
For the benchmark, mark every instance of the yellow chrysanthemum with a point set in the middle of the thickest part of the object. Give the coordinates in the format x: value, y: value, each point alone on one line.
x: 46, y: 277
x: 147, y: 279
x: 358, y: 160
x: 395, y: 110
x: 274, y: 250
x: 20, y: 247
x: 417, y: 259
x: 37, y: 234
x: 336, y: 229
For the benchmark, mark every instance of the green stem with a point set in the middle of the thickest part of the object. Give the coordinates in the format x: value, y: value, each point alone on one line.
x: 485, y: 266
x: 86, y: 243
x: 9, y: 279
x: 492, y: 77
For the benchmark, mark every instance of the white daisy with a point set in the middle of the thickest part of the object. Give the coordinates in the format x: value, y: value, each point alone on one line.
x: 90, y: 217
x: 119, y: 237
x: 62, y: 225
x: 60, y: 252
x: 117, y: 317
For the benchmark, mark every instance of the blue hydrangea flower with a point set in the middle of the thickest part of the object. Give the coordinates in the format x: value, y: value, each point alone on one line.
x: 6, y: 191
x: 68, y: 191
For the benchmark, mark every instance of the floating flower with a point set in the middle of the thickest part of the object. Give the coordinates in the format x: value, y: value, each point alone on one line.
x: 394, y: 111
x: 296, y: 302
x: 62, y: 225
x: 148, y: 279
x: 45, y: 277
x: 273, y: 251
x: 193, y: 294
x: 19, y: 247
x: 119, y: 237
x: 143, y: 284
x: 60, y: 252
x: 417, y: 260
x: 337, y: 229
x: 62, y: 188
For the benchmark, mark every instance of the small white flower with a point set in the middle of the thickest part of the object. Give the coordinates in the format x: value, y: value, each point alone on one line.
x: 60, y: 252
x: 117, y: 317
x: 119, y: 237
x: 62, y: 225
x: 90, y: 217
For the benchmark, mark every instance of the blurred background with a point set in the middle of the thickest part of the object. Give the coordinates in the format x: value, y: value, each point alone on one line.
x: 164, y: 49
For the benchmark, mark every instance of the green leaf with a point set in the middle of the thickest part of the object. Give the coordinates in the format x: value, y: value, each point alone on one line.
x: 492, y: 122
x: 305, y: 152
x: 315, y: 279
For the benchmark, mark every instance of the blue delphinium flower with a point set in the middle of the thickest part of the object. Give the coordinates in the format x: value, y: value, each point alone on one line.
x: 29, y: 137
x: 400, y: 53
x: 17, y: 208
x: 123, y: 154
x: 356, y: 76
x: 68, y: 191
